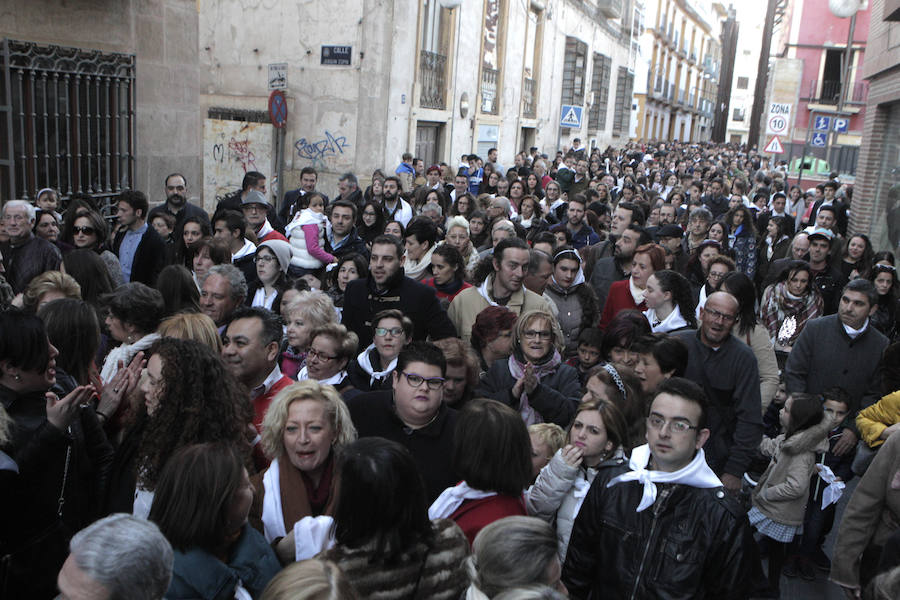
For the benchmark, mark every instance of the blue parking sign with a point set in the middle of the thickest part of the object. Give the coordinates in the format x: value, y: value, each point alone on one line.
x: 822, y: 124
x: 841, y: 124
x: 819, y: 139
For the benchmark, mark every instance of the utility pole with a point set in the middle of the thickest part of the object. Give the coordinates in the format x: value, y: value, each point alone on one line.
x: 762, y: 76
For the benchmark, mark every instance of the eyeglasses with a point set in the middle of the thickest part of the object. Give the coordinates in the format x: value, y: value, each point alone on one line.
x: 313, y: 353
x: 532, y: 334
x: 675, y: 426
x: 718, y: 316
x: 383, y: 331
x: 264, y: 259
x: 84, y: 230
x: 714, y: 275
x: 414, y: 381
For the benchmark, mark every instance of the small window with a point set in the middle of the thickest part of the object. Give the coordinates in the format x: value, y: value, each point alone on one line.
x: 743, y: 83
x: 738, y: 114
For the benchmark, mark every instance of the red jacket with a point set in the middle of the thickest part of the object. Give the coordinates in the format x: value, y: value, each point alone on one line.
x: 261, y: 403
x: 618, y: 299
x: 473, y: 515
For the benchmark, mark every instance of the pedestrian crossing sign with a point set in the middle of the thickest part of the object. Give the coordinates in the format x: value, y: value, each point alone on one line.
x: 570, y: 116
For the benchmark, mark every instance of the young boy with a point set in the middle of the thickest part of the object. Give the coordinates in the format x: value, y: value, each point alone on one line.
x: 546, y: 440
x: 590, y: 341
x: 817, y: 523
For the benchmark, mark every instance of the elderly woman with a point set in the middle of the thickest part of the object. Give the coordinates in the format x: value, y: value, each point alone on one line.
x: 46, y: 225
x: 46, y: 287
x: 492, y: 335
x: 372, y: 369
x: 629, y: 293
x: 597, y: 439
x: 306, y: 427
x: 134, y: 311
x: 789, y: 304
x: 534, y: 380
x: 513, y: 552
x: 309, y: 310
x: 575, y: 300
x: 202, y: 504
x: 88, y: 230
x: 458, y: 237
x: 462, y: 372
x: 331, y: 349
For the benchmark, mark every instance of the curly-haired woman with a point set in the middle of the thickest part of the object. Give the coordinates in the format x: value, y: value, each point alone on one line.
x: 190, y: 398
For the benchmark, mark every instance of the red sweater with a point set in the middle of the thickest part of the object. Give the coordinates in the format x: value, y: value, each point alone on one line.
x: 619, y: 298
x: 473, y: 515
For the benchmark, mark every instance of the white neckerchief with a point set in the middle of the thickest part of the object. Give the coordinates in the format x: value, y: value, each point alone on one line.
x: 832, y: 493
x: 334, y: 380
x: 701, y: 302
x: 636, y: 294
x: 365, y: 364
x: 260, y: 298
x: 265, y: 230
x: 579, y: 278
x: 272, y: 515
x: 124, y: 353
x: 483, y: 290
x: 451, y: 499
x: 853, y: 333
x: 248, y: 248
x: 674, y: 321
x: 696, y: 474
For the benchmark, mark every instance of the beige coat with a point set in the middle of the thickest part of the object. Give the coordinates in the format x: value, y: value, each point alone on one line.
x: 872, y: 514
x: 783, y: 489
x: 761, y: 344
x: 469, y: 302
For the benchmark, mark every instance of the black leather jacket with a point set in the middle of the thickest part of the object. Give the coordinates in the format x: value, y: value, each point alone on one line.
x: 692, y: 543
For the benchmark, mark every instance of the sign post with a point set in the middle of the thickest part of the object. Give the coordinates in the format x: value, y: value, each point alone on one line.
x: 278, y: 115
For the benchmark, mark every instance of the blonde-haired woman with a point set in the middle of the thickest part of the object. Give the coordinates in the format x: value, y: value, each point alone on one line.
x: 305, y: 426
x: 310, y: 580
x: 46, y: 287
x: 307, y: 311
x: 534, y: 380
x: 192, y: 326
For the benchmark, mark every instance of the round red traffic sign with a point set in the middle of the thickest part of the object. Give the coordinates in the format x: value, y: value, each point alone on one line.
x: 277, y: 108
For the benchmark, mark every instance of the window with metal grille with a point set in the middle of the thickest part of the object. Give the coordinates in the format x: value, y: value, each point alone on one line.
x: 67, y: 119
x: 624, y: 87
x: 743, y: 83
x: 573, y: 72
x: 738, y: 114
x: 600, y: 89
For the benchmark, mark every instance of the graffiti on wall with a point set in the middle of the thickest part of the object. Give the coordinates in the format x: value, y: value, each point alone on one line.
x: 230, y: 149
x: 317, y: 151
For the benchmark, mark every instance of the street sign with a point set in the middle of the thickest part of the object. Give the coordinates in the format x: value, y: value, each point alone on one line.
x: 822, y: 123
x: 774, y: 146
x: 570, y: 116
x: 819, y: 139
x: 336, y: 55
x: 779, y: 118
x: 277, y: 108
x: 278, y: 76
x: 841, y: 124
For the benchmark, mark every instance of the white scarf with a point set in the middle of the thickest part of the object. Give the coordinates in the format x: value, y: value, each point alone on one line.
x: 272, y: 516
x: 853, y: 333
x: 636, y: 294
x: 265, y: 230
x: 483, y: 290
x: 248, y: 248
x: 451, y: 499
x: 334, y: 380
x: 415, y: 268
x: 670, y: 323
x: 124, y: 353
x: 696, y: 474
x: 365, y: 364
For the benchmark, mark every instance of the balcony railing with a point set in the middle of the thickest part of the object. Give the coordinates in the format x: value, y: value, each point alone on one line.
x: 432, y: 69
x: 529, y: 105
x: 489, y: 81
x: 829, y: 91
x: 611, y: 9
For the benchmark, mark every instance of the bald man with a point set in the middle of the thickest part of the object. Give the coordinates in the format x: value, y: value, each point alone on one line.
x: 726, y: 368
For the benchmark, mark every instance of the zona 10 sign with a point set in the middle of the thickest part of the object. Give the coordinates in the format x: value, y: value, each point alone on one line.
x: 778, y: 119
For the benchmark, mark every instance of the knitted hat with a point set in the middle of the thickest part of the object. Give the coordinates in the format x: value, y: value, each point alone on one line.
x: 282, y: 251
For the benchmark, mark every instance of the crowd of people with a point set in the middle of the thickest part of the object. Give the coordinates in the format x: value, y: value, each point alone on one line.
x: 643, y: 372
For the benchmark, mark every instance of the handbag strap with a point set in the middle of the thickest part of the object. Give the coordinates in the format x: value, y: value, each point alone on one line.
x: 62, y: 491
x: 421, y: 570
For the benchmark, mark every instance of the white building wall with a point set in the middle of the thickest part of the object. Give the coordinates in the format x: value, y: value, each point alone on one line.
x: 750, y: 19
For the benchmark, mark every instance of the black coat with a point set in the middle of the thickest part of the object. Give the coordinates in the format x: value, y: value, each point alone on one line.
x: 556, y: 396
x: 417, y: 301
x: 353, y: 243
x: 692, y: 543
x: 431, y: 446
x: 149, y: 258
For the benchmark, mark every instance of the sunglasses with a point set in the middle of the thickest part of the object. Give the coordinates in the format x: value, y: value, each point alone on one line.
x: 84, y: 230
